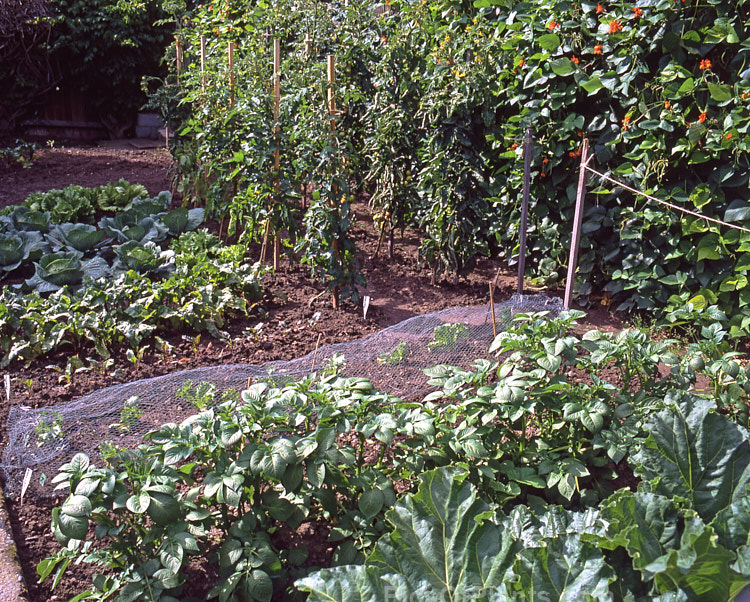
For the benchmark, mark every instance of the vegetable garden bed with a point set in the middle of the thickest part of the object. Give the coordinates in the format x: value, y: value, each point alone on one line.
x: 292, y: 328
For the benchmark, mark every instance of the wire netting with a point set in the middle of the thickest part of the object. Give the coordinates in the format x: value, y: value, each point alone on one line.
x: 40, y: 440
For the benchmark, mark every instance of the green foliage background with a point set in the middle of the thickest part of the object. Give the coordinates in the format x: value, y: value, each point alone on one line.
x: 104, y: 47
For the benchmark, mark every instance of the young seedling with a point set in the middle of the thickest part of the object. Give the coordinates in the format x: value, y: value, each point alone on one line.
x: 447, y: 335
x: 395, y: 357
x: 49, y: 428
x: 128, y: 416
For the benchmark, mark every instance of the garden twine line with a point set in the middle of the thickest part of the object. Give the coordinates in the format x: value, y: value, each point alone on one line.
x: 668, y: 204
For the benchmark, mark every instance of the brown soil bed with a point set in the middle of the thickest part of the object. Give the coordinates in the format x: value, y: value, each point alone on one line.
x: 399, y: 287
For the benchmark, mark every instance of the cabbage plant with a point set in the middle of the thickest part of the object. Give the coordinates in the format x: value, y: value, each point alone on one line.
x: 125, y: 227
x: 80, y: 238
x: 146, y: 258
x: 22, y: 218
x: 56, y: 270
x: 182, y: 220
x: 147, y: 207
x: 18, y: 247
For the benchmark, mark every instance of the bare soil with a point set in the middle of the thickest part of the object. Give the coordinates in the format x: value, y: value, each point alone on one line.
x: 399, y: 287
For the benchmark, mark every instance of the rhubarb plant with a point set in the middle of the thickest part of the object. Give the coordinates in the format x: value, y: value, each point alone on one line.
x: 682, y: 535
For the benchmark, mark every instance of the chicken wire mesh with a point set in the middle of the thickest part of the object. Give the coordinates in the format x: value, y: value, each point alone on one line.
x: 40, y: 440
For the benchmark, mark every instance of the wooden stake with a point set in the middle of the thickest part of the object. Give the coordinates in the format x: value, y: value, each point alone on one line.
x: 331, y: 73
x: 380, y: 239
x: 492, y: 309
x: 308, y: 44
x: 524, y: 210
x: 276, y: 153
x: 577, y: 221
x: 178, y: 53
x: 230, y: 58
x: 315, y: 352
x: 203, y: 61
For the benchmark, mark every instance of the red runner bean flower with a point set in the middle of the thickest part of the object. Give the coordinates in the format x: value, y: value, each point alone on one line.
x: 615, y: 26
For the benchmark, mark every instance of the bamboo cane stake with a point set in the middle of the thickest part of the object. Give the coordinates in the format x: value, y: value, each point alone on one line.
x: 276, y: 152
x: 577, y: 221
x: 331, y: 72
x: 203, y: 61
x: 230, y: 58
x: 524, y: 209
x: 331, y: 75
x: 308, y: 44
x: 492, y: 309
x: 179, y: 57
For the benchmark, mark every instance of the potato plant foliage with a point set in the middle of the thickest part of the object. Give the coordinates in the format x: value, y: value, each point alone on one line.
x: 527, y: 459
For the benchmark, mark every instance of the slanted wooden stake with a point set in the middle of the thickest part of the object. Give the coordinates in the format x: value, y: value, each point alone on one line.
x: 492, y: 309
x: 577, y: 221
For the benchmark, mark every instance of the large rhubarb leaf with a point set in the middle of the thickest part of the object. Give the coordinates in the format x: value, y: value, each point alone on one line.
x: 645, y: 524
x: 700, y: 566
x: 354, y: 584
x: 696, y: 454
x: 445, y: 545
x: 566, y: 569
x: 732, y: 526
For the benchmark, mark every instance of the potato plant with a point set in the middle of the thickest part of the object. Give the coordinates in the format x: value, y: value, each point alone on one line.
x: 521, y: 431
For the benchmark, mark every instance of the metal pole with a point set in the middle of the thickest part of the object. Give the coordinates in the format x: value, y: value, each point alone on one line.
x: 524, y: 210
x: 577, y: 221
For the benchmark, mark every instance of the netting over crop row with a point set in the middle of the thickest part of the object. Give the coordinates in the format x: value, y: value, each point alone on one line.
x: 393, y: 359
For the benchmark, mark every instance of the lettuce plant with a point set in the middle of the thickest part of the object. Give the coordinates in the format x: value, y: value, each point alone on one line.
x: 116, y: 196
x: 71, y: 204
